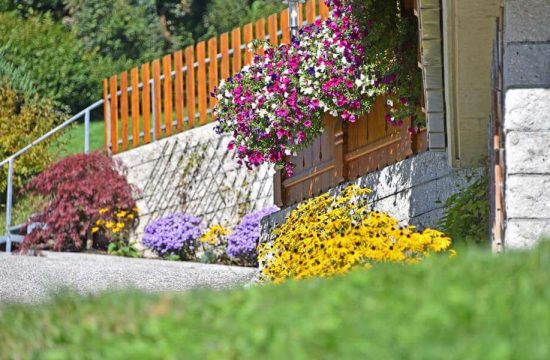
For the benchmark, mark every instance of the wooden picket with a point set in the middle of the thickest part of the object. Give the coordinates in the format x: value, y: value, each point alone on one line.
x: 157, y: 100
x: 106, y: 113
x: 146, y: 103
x: 237, y: 51
x: 134, y: 74
x: 167, y: 70
x: 190, y: 85
x: 124, y: 108
x: 212, y: 70
x: 201, y: 82
x: 168, y: 95
x: 178, y: 67
x: 260, y: 32
x: 248, y: 35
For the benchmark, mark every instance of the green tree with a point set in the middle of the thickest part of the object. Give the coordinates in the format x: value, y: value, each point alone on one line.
x: 119, y: 29
x: 52, y: 56
x: 56, y: 8
x: 224, y: 15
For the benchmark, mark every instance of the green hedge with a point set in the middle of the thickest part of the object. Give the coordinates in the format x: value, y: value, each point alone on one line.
x: 474, y: 306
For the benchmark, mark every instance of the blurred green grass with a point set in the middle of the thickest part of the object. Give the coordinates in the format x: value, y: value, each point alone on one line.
x: 474, y: 306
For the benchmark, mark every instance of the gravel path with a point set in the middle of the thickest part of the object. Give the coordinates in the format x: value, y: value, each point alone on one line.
x: 29, y: 279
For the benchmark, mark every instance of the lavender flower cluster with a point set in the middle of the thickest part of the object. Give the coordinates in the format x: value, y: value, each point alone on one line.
x: 174, y: 234
x: 244, y: 240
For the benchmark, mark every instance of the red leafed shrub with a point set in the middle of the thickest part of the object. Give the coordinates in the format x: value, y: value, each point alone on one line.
x: 76, y: 189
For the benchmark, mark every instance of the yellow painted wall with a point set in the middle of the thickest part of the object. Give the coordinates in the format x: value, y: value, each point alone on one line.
x: 468, y: 33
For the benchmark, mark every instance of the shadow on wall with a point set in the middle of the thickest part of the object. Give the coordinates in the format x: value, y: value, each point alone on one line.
x: 413, y: 190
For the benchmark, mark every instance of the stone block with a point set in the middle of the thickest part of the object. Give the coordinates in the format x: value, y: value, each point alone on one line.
x: 527, y: 65
x: 527, y: 109
x: 526, y: 233
x: 528, y: 196
x: 527, y: 20
x: 528, y: 152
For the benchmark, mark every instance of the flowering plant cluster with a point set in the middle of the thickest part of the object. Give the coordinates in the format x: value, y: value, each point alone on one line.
x: 213, y: 245
x: 274, y: 107
x: 174, y: 235
x: 243, y: 242
x: 330, y: 235
x: 116, y: 225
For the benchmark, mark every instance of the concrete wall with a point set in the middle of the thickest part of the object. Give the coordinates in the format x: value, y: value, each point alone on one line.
x: 194, y: 172
x: 469, y: 30
x: 413, y: 190
x: 527, y: 121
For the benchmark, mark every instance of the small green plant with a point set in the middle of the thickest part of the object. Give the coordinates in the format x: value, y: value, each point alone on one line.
x: 466, y: 216
x: 122, y: 248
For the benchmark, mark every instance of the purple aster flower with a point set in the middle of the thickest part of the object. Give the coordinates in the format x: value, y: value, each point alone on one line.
x: 174, y: 234
x: 244, y: 240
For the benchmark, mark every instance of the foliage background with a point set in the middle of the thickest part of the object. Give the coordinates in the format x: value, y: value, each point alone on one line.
x: 68, y: 46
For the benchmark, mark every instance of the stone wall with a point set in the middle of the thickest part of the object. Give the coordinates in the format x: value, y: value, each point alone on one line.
x: 413, y: 190
x: 527, y: 121
x: 193, y: 172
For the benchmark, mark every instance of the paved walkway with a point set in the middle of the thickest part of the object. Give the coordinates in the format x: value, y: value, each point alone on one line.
x: 32, y: 279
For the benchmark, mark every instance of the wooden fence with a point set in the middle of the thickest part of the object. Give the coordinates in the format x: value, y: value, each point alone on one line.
x: 345, y: 152
x: 172, y: 94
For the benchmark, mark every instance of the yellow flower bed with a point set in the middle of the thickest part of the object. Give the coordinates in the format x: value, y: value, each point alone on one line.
x: 329, y: 235
x: 214, y: 234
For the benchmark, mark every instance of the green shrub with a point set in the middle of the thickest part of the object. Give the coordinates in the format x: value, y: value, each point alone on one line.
x: 53, y: 57
x: 466, y: 216
x: 18, y: 78
x: 23, y: 120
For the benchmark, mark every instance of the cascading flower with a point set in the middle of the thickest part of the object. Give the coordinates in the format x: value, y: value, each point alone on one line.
x: 273, y: 107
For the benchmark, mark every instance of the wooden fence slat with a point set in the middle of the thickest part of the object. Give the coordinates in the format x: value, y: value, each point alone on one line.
x: 134, y: 74
x: 260, y: 33
x: 179, y: 102
x: 190, y: 85
x: 201, y: 83
x: 168, y: 91
x: 157, y: 104
x: 224, y: 50
x: 106, y: 113
x: 124, y: 108
x: 212, y: 71
x: 310, y: 11
x: 146, y: 103
x: 113, y: 87
x: 272, y: 30
x: 323, y: 9
x: 236, y: 45
x: 248, y: 37
x: 285, y: 39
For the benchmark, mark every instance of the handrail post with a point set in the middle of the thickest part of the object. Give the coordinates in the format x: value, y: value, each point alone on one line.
x: 153, y: 110
x: 87, y: 131
x: 9, y: 203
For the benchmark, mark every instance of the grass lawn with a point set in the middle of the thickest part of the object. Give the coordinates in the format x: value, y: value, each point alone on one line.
x: 474, y: 306
x: 72, y: 139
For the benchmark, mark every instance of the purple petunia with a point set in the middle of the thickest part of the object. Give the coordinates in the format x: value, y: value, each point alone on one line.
x: 244, y: 240
x: 174, y: 234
